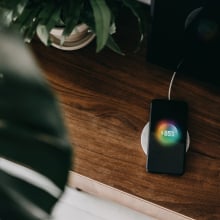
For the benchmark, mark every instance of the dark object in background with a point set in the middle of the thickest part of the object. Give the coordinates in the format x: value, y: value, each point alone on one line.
x: 189, y: 30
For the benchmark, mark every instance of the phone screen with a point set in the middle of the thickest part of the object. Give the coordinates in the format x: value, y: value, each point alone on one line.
x: 167, y: 137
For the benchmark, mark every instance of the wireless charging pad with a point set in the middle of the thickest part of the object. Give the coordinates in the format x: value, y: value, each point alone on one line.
x: 144, y: 139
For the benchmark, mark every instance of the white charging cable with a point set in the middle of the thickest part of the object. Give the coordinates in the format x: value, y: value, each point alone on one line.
x: 171, y: 83
x: 172, y: 79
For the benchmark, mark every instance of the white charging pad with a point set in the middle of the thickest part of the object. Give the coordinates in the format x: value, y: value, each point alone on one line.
x: 144, y: 139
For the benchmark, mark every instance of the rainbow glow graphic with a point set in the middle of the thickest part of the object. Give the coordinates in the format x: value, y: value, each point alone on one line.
x: 167, y: 133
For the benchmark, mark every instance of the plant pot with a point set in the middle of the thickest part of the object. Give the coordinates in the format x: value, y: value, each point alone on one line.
x: 80, y: 37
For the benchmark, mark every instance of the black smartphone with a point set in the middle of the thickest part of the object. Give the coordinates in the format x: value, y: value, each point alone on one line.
x: 167, y: 137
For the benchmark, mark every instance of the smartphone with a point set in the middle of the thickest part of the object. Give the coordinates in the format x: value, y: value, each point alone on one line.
x: 167, y: 137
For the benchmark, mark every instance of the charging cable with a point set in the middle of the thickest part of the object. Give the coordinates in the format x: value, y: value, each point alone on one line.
x: 172, y: 79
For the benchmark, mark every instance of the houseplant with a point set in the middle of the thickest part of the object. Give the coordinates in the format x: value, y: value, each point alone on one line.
x: 35, y: 154
x: 41, y: 16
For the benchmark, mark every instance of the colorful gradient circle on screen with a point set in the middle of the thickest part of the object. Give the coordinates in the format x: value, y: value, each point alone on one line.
x: 167, y: 133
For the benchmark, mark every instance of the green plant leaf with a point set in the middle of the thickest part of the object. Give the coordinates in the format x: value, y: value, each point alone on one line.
x: 33, y: 138
x: 102, y: 16
x: 6, y: 16
x: 48, y: 18
x: 87, y: 16
x: 10, y: 10
x: 19, y: 8
x: 71, y: 14
x: 29, y: 34
x: 27, y: 22
x: 31, y: 27
x: 9, y: 4
x: 113, y: 45
x: 43, y: 33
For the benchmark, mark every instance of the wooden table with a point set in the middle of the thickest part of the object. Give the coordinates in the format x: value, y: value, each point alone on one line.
x: 106, y: 98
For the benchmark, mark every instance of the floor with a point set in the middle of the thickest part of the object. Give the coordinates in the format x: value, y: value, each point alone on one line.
x: 82, y: 206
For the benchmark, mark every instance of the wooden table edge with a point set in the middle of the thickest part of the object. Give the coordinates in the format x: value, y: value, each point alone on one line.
x: 99, y: 189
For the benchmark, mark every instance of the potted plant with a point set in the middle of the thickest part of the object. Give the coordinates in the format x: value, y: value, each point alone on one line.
x: 42, y: 16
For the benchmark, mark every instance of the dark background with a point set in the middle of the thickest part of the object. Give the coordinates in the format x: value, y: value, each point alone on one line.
x: 169, y: 41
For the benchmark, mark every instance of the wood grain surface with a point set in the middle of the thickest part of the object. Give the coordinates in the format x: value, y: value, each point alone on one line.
x: 105, y: 98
